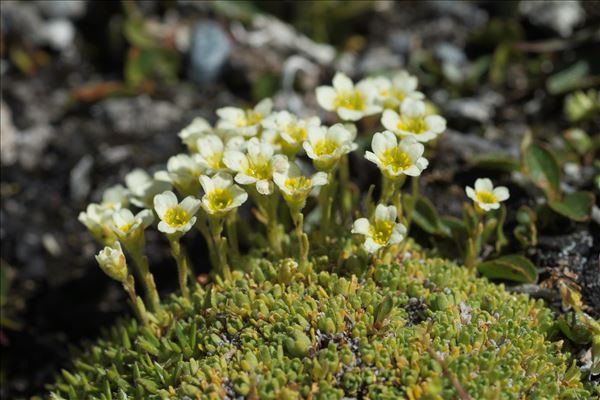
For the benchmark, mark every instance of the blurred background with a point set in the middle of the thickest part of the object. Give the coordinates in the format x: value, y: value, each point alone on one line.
x: 92, y: 89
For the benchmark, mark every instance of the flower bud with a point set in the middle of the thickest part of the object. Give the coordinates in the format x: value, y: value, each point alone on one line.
x: 112, y: 261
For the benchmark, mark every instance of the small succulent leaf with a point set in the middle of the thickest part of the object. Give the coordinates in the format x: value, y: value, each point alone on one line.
x: 540, y: 164
x: 576, y: 206
x: 383, y: 310
x: 511, y: 267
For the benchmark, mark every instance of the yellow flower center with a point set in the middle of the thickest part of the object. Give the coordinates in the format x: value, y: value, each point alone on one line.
x: 298, y: 183
x: 398, y: 94
x: 125, y: 228
x: 352, y: 100
x: 259, y: 168
x: 486, y: 197
x: 176, y: 217
x: 215, y: 160
x: 220, y: 199
x: 413, y: 125
x: 250, y: 118
x: 381, y: 231
x: 297, y: 133
x: 324, y: 147
x: 396, y: 159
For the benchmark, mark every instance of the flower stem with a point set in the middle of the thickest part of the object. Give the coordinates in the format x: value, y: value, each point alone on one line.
x: 273, y: 233
x: 303, y: 244
x: 141, y: 262
x: 216, y: 228
x: 136, y: 301
x: 345, y: 193
x: 182, y: 264
x: 326, y: 202
x: 232, y: 236
x: 202, y: 226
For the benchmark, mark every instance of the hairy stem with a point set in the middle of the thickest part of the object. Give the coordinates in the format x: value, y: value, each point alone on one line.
x: 182, y: 264
x: 216, y: 228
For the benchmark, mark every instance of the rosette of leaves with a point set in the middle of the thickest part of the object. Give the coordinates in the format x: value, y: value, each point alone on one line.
x: 416, y: 328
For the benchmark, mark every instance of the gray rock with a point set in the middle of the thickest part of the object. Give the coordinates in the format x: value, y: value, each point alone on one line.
x: 481, y: 108
x: 20, y: 19
x: 8, y: 137
x: 209, y: 51
x: 561, y: 16
x: 32, y: 143
x: 57, y: 33
x: 62, y: 8
x: 79, y: 178
x: 449, y: 53
x: 378, y: 59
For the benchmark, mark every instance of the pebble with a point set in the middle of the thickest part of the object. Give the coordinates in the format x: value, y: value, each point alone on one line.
x: 209, y: 51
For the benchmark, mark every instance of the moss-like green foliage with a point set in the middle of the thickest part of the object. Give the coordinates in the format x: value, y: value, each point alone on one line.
x: 419, y: 328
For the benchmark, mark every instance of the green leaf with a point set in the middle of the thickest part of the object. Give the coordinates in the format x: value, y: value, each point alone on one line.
x: 576, y: 206
x: 541, y: 166
x: 496, y: 163
x: 425, y: 215
x: 526, y: 230
x: 512, y: 267
x: 383, y: 310
x: 568, y: 79
x: 501, y: 240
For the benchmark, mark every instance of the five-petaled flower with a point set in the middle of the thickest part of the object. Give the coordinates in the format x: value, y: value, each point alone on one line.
x: 296, y: 187
x: 112, y: 261
x: 198, y: 128
x: 288, y: 131
x: 413, y: 121
x: 237, y: 121
x: 349, y: 101
x: 256, y: 166
x: 485, y: 196
x: 183, y: 171
x: 175, y: 217
x: 392, y: 92
x: 128, y: 226
x: 396, y: 159
x: 220, y: 194
x: 382, y: 230
x: 144, y: 187
x: 325, y: 146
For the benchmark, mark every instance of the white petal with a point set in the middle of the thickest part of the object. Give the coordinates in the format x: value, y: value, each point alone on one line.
x: 235, y: 160
x: 239, y: 195
x: 347, y: 114
x: 166, y: 228
x: 164, y: 201
x: 264, y: 107
x: 264, y: 187
x: 392, y: 213
x: 319, y: 179
x: 398, y: 234
x: 484, y: 185
x: 342, y: 82
x: 370, y: 246
x: 326, y: 97
x: 206, y: 183
x: 279, y: 162
x: 123, y: 217
x: 244, y: 179
x: 381, y: 212
x: 412, y: 108
x: 373, y: 158
x: 361, y: 226
x: 339, y: 134
x: 435, y: 123
x: 222, y: 180
x: 191, y: 205
x: 501, y: 193
x: 146, y: 216
x: 389, y: 119
x: 471, y: 193
x: 230, y: 113
x: 316, y: 133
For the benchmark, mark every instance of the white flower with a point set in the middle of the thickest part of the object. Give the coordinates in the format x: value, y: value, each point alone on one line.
x: 383, y: 230
x: 96, y: 218
x: 175, y: 217
x: 237, y: 121
x: 395, y: 159
x: 325, y: 146
x: 143, y: 187
x: 126, y: 225
x: 112, y: 261
x: 413, y: 121
x: 183, y: 171
x: 211, y: 150
x: 402, y: 86
x: 295, y: 187
x: 485, y: 196
x: 194, y: 131
x: 256, y: 166
x: 115, y: 197
x: 288, y: 131
x: 220, y: 194
x: 349, y: 101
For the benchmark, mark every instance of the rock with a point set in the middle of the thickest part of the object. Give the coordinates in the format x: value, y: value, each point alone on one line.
x: 561, y: 16
x: 449, y: 53
x: 20, y: 19
x: 8, y: 137
x: 57, y: 33
x: 209, y: 51
x: 481, y: 108
x: 400, y: 41
x: 32, y: 143
x: 79, y: 178
x: 140, y: 115
x: 378, y: 59
x: 62, y: 8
